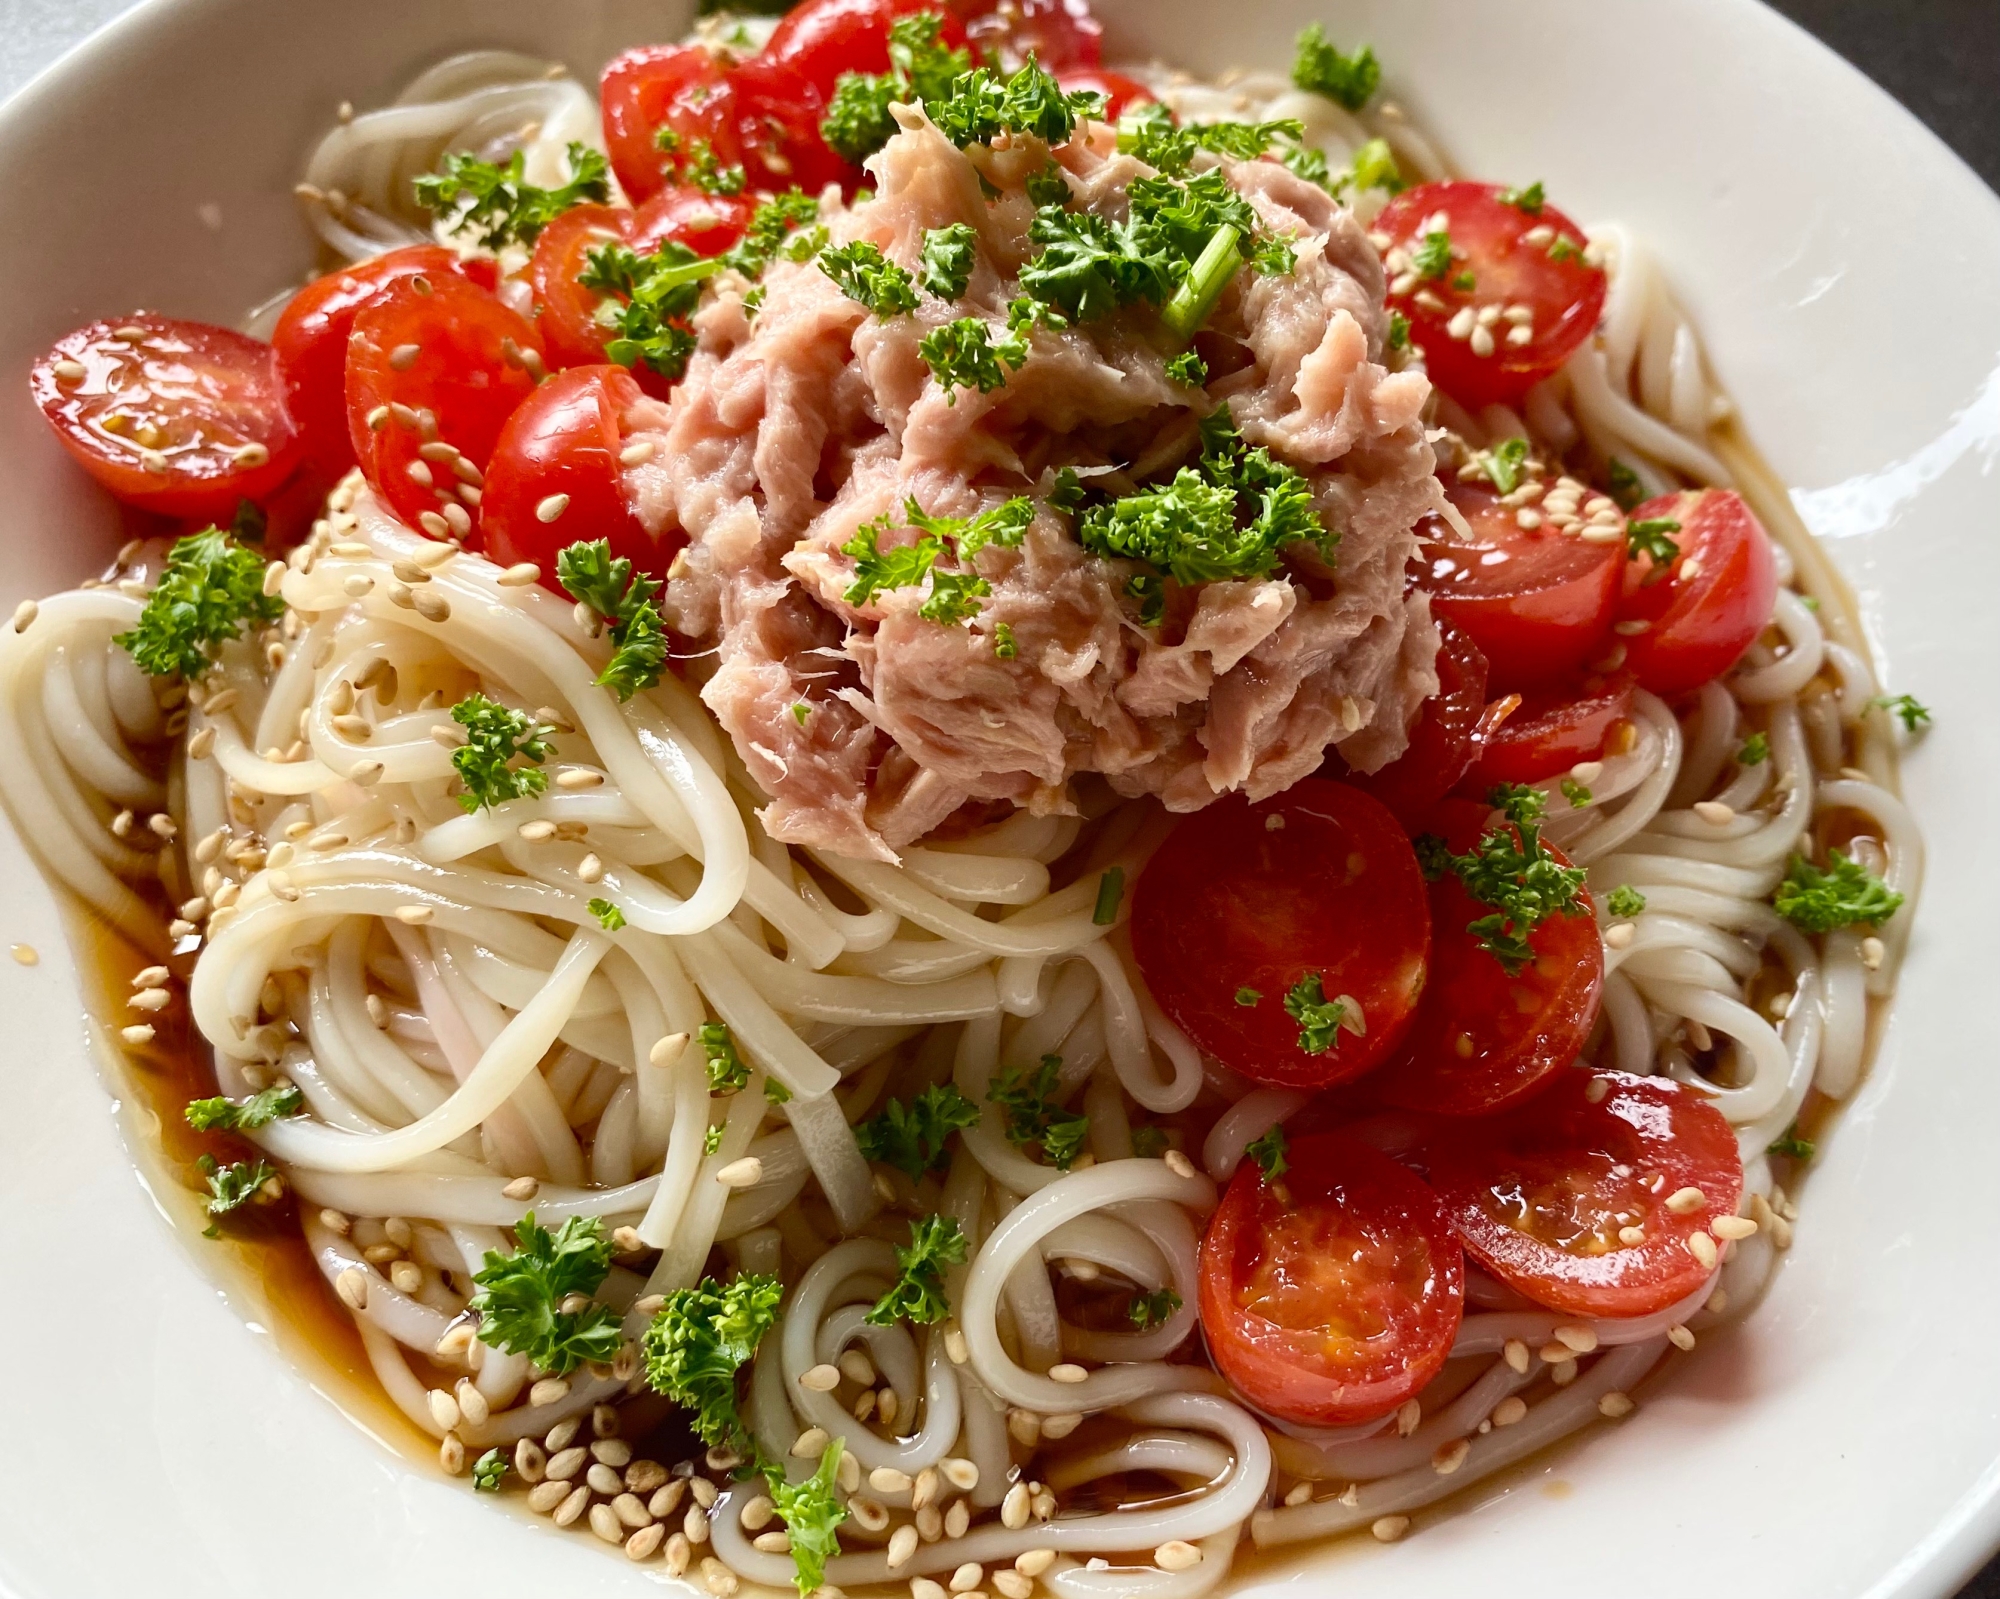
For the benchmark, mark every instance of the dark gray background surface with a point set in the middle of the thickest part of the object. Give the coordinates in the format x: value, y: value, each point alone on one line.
x: 1941, y: 58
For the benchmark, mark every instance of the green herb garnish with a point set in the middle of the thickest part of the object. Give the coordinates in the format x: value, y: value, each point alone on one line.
x: 520, y: 1296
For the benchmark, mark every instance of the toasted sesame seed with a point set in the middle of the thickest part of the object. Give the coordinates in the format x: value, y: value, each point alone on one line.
x: 1179, y: 1164
x: 443, y: 1408
x: 962, y: 1474
x: 644, y: 1543
x: 1680, y: 1337
x: 1067, y: 1371
x: 1631, y: 1237
x: 1556, y: 1353
x: 548, y: 1391
x: 1528, y: 518
x: 1409, y: 1416
x: 1685, y: 1201
x: 352, y: 1285
x: 1519, y: 336
x: 1731, y: 1228
x: 1447, y: 1458
x: 404, y: 356
x: 1714, y: 812
x: 637, y: 453
x: 902, y: 1545
x: 1615, y: 1404
x: 1481, y: 343
x: 776, y: 1542
x: 438, y: 528
x: 536, y: 831
x: 1873, y: 952
x: 1509, y: 1410
x: 1387, y: 1529
x: 1033, y: 1562
x: 25, y: 614
x: 551, y: 507
x: 520, y: 575
x: 1578, y: 1336
x: 544, y: 1497
x: 1702, y: 1247
x: 810, y: 1444
x: 1014, y: 1507
x: 139, y: 1033
x: 745, y: 1173
x: 250, y: 455
x: 924, y: 1490
x: 603, y: 1479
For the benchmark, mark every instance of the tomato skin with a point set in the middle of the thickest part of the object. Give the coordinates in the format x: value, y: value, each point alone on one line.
x: 1345, y: 1231
x: 194, y: 393
x: 1566, y: 296
x: 1483, y: 1040
x: 565, y: 439
x: 311, y: 341
x: 778, y: 111
x: 821, y: 39
x: 1516, y: 1185
x: 656, y: 85
x: 707, y: 224
x: 461, y: 374
x: 566, y: 311
x: 1061, y: 34
x: 1120, y: 92
x: 1445, y: 741
x: 1229, y: 903
x: 1539, y: 604
x: 1551, y: 732
x: 1699, y: 626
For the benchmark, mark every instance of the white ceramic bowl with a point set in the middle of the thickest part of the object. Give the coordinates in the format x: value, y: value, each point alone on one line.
x: 1841, y: 264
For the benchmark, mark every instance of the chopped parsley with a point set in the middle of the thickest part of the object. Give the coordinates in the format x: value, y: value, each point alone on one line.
x: 812, y: 1513
x: 1150, y: 133
x: 489, y: 1470
x: 1003, y: 642
x: 1149, y: 1143
x: 1505, y: 463
x: 1565, y: 249
x: 608, y: 915
x: 520, y: 1296
x: 913, y: 1138
x: 1510, y: 869
x: 776, y: 1093
x: 1187, y: 369
x: 1530, y: 200
x: 1648, y: 536
x: 1756, y: 750
x: 702, y: 1337
x: 1320, y: 1019
x: 1626, y: 489
x: 494, y: 737
x: 1321, y: 67
x: 772, y: 224
x: 1269, y: 1152
x: 1791, y: 1145
x: 209, y: 593
x: 954, y: 596
x: 231, y: 1187
x: 728, y: 1072
x: 1305, y: 162
x: 1152, y: 1310
x: 947, y: 260
x: 259, y: 1110
x: 1110, y: 892
x: 655, y: 294
x: 1048, y: 186
x: 1373, y: 167
x: 1431, y: 258
x: 921, y: 68
x: 980, y: 107
x: 700, y: 166
x: 624, y: 599
x: 1030, y: 1116
x: 1247, y: 997
x: 917, y: 1295
x: 1844, y: 894
x: 1906, y: 709
x: 1230, y: 519
x: 467, y: 192
x: 1576, y: 793
x: 1625, y: 902
x: 863, y: 273
x: 1399, y: 331
x: 711, y: 1140
x: 962, y: 355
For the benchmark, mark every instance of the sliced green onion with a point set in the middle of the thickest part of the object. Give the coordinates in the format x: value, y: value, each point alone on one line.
x: 1206, y: 280
x: 1110, y: 890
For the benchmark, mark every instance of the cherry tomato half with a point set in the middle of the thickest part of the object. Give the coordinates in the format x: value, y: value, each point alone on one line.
x: 565, y: 440
x: 1483, y: 1038
x: 1545, y: 1196
x: 1332, y: 1294
x: 451, y: 353
x: 1061, y: 34
x: 1120, y: 92
x: 1244, y: 903
x: 1444, y: 743
x: 311, y: 341
x: 707, y: 224
x: 1551, y: 731
x: 1538, y: 603
x: 566, y: 310
x: 824, y: 38
x: 1713, y: 600
x: 1501, y: 256
x: 176, y: 417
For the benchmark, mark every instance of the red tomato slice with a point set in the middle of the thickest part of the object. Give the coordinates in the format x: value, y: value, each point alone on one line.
x: 1551, y: 732
x: 1538, y: 603
x: 1061, y: 34
x: 1318, y: 880
x: 566, y: 310
x: 176, y: 417
x: 1120, y: 92
x: 1444, y: 743
x: 1333, y: 1294
x: 824, y: 38
x: 456, y: 357
x: 1711, y: 603
x: 1482, y: 1039
x: 311, y: 341
x: 1541, y: 1195
x: 707, y: 224
x: 565, y: 440
x: 660, y: 85
x: 1506, y: 252
x: 778, y: 112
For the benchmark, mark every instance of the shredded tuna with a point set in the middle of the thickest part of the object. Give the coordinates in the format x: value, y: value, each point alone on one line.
x: 868, y: 726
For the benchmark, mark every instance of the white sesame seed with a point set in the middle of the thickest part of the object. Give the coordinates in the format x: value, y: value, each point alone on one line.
x: 1615, y: 1404
x: 1509, y: 1410
x: 1066, y: 1371
x: 1702, y: 1247
x: 1403, y: 282
x: 25, y: 614
x: 1177, y: 1554
x: 1873, y: 952
x: 1033, y: 1562
x: 902, y: 1545
x: 431, y: 606
x: 551, y: 508
x: 1555, y: 1353
x: 1577, y: 1336
x: 1714, y: 812
x: 1409, y: 1416
x: 250, y: 455
x: 433, y: 523
x: 414, y: 915
x: 1387, y: 1529
x: 1685, y: 1201
x: 1528, y: 518
x: 520, y: 575
x: 637, y: 453
x: 1462, y: 324
x: 1731, y: 1228
x: 71, y: 371
x: 1178, y: 1164
x: 1680, y: 1338
x: 1447, y: 1458
x: 139, y: 1033
x: 821, y: 1379
x: 745, y: 1173
x: 1481, y: 342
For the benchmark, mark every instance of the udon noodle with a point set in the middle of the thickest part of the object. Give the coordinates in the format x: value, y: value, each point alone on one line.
x: 470, y: 1040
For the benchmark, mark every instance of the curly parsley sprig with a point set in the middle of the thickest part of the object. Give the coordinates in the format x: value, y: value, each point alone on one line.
x: 698, y: 1342
x: 495, y: 736
x: 210, y: 592
x: 918, y: 1295
x: 1510, y: 869
x: 1843, y: 894
x: 1319, y: 66
x: 259, y: 1110
x: 913, y: 1138
x: 624, y: 599
x: 652, y: 298
x: 521, y: 1296
x: 467, y: 192
x: 1030, y: 1114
